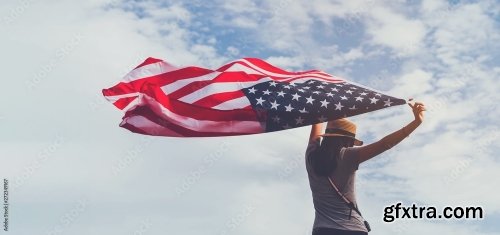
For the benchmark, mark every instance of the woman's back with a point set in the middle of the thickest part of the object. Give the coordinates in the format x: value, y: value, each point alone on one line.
x: 331, y: 210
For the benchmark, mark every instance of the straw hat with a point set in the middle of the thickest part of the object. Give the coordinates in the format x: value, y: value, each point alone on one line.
x: 342, y: 127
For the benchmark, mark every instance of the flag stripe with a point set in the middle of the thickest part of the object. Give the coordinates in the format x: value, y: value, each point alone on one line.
x: 219, y: 98
x: 215, y: 88
x: 238, y: 103
x: 149, y: 70
x: 157, y: 80
x: 141, y: 123
x: 224, y: 77
x: 195, y: 112
x: 228, y: 129
x: 149, y: 60
x: 174, y: 86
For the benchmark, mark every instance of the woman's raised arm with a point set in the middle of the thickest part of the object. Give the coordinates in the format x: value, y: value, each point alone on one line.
x: 316, y: 130
x: 371, y: 150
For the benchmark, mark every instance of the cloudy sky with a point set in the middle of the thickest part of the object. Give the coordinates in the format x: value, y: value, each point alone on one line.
x: 72, y: 170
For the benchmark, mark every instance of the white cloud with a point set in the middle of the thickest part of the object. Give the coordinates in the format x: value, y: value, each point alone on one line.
x: 396, y: 31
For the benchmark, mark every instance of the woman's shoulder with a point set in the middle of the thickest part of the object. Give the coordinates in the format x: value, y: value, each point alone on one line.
x: 350, y: 156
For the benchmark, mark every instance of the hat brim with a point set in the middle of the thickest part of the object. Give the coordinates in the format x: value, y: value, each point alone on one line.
x: 356, y: 141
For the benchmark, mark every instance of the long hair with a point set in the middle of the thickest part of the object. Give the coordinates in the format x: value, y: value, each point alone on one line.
x: 324, y: 158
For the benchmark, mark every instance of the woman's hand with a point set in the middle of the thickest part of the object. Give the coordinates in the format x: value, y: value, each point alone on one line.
x: 418, y: 109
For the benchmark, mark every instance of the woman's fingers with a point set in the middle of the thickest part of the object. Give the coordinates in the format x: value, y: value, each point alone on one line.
x: 410, y: 103
x: 416, y: 106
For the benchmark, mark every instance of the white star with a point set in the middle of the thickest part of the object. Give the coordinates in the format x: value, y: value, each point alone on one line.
x: 335, y: 89
x: 354, y: 88
x: 260, y: 100
x: 303, y: 110
x: 266, y: 92
x: 359, y: 98
x: 378, y: 94
x: 252, y: 90
x: 329, y: 94
x: 301, y: 90
x: 273, y: 83
x: 348, y: 91
x: 353, y: 107
x: 281, y: 93
x: 306, y: 87
x: 293, y: 84
x: 338, y: 106
x: 387, y: 102
x: 373, y: 100
x: 324, y: 103
x: 343, y: 97
x: 316, y: 92
x: 296, y: 97
x: 276, y: 119
x: 287, y: 86
x: 322, y: 118
x: 299, y: 120
x: 289, y: 108
x: 274, y: 105
x: 320, y: 86
x: 339, y: 85
x: 310, y: 100
x: 325, y: 83
x: 363, y: 93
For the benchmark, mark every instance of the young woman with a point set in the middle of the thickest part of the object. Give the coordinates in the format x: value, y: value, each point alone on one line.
x: 331, y: 165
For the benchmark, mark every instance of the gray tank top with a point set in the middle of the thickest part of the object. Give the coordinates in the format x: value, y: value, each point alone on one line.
x: 330, y: 210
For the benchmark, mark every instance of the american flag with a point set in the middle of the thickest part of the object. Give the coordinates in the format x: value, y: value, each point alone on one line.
x: 246, y: 96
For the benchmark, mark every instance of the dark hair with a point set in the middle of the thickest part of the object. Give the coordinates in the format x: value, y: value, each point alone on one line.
x: 324, y: 158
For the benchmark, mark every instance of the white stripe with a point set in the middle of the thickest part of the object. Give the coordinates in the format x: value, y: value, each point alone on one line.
x: 237, y: 67
x: 249, y: 127
x: 150, y: 70
x: 237, y: 103
x: 113, y: 98
x: 219, y: 87
x: 168, y: 89
x: 301, y: 80
x: 250, y: 67
x: 149, y: 126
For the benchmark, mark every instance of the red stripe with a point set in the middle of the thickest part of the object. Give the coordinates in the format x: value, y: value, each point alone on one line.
x: 216, y: 99
x: 160, y: 80
x: 333, y: 80
x: 264, y: 66
x: 149, y: 60
x: 123, y: 102
x: 223, y: 77
x: 197, y: 112
x: 132, y: 128
x: 150, y: 115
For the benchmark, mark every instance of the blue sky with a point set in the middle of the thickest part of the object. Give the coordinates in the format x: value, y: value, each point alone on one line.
x: 74, y: 171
